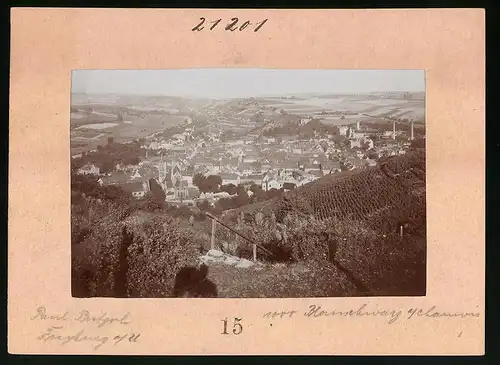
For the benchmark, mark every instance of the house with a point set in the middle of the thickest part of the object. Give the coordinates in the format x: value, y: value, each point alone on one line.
x: 181, y: 190
x: 333, y: 167
x: 387, y: 134
x: 230, y: 178
x: 116, y: 177
x: 138, y: 189
x: 271, y: 184
x: 188, y: 178
x: 316, y: 173
x: 368, y: 143
x: 193, y: 192
x: 359, y: 154
x: 289, y: 165
x: 89, y: 169
x: 246, y: 169
x: 200, y: 163
x: 256, y: 178
x: 343, y: 130
x: 136, y: 175
x: 356, y: 163
x: 356, y: 143
x: 248, y: 140
x: 313, y: 168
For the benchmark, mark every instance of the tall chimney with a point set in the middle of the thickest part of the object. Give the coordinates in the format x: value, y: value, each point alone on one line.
x: 393, y: 129
x: 357, y: 125
x: 411, y: 132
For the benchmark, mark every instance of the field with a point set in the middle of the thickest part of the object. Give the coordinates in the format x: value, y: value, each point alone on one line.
x: 90, y: 129
x: 352, y: 107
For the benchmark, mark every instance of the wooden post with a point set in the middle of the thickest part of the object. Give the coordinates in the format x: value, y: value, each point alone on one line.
x: 212, y: 240
x: 254, y: 252
x: 401, y: 231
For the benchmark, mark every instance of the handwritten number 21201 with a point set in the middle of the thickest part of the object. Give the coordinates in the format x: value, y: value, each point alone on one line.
x: 237, y: 328
x: 231, y: 26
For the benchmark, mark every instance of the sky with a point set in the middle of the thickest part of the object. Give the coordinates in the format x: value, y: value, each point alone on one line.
x: 234, y: 82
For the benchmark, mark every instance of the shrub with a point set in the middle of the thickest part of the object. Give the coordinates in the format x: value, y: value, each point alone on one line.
x: 95, y: 260
x: 159, y: 249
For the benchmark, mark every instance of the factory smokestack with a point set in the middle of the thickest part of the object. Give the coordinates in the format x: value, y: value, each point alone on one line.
x: 411, y: 131
x: 357, y: 125
x: 393, y: 129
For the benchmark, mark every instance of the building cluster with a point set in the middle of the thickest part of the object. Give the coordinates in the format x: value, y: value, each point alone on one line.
x: 271, y: 162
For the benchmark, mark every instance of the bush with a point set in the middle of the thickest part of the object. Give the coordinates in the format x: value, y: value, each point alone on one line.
x: 95, y: 260
x: 159, y: 249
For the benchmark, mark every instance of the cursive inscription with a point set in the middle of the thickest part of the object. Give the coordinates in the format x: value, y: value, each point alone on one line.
x: 392, y: 315
x: 85, y: 317
x: 84, y: 327
x: 433, y: 313
x: 56, y: 333
x: 317, y: 311
x: 41, y: 314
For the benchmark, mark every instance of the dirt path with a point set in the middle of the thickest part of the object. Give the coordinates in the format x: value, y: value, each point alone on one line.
x: 281, y: 281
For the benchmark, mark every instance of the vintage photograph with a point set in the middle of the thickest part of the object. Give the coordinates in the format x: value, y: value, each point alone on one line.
x: 248, y: 183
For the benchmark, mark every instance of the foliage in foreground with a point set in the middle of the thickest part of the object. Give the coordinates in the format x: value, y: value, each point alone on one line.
x: 119, y: 253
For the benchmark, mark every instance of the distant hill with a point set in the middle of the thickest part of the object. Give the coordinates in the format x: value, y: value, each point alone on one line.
x: 290, y: 124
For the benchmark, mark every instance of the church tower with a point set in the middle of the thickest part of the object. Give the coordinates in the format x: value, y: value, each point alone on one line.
x: 175, y: 173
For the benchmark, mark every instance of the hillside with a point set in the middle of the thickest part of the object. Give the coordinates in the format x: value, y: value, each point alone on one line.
x: 370, y: 224
x: 288, y: 124
x: 373, y: 195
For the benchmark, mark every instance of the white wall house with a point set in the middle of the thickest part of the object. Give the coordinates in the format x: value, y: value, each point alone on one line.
x: 89, y: 169
x: 271, y: 184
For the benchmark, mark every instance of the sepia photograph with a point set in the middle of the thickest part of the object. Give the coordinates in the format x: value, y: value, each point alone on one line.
x: 248, y: 183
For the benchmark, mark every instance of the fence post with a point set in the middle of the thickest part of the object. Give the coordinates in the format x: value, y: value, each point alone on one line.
x: 212, y: 239
x: 254, y: 252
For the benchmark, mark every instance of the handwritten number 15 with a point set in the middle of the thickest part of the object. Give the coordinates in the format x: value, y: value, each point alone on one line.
x: 237, y: 328
x: 231, y: 26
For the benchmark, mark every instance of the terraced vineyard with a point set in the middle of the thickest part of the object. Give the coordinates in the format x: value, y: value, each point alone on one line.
x: 383, y: 195
x: 360, y: 213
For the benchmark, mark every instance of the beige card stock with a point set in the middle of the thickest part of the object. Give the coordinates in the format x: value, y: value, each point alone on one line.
x: 48, y: 44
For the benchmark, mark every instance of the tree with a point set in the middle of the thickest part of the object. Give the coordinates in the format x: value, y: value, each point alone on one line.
x: 198, y: 180
x: 76, y: 164
x: 212, y: 184
x: 131, y: 160
x: 157, y: 192
x: 115, y: 194
x: 418, y: 143
x: 241, y: 190
x: 150, y: 204
x: 231, y: 189
x: 272, y: 193
x: 254, y: 188
x: 107, y: 166
x: 203, y: 205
